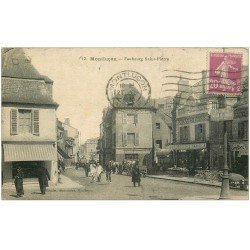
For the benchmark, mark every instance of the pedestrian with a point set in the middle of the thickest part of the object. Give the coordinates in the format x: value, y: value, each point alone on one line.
x: 86, y: 169
x: 99, y: 170
x: 43, y: 177
x: 108, y: 171
x: 93, y: 171
x: 19, y: 182
x: 136, y: 175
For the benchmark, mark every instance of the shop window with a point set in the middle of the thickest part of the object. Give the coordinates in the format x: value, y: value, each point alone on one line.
x: 158, y: 125
x: 243, y: 130
x: 158, y: 143
x: 29, y: 168
x: 131, y: 156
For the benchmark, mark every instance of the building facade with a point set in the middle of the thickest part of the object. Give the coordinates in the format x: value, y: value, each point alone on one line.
x: 72, y: 140
x: 29, y: 136
x: 89, y: 150
x: 200, y: 120
x: 134, y: 134
x: 239, y: 141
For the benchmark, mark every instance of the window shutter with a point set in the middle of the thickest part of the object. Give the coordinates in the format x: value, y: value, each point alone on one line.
x: 35, y: 122
x: 196, y: 132
x: 188, y: 133
x: 136, y: 118
x: 181, y: 134
x: 13, y: 121
x: 124, y: 139
x: 136, y: 139
x: 204, y: 132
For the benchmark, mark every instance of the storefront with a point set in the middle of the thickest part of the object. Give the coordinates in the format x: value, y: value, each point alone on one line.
x: 29, y: 156
x: 165, y: 158
x: 239, y: 157
x: 193, y: 156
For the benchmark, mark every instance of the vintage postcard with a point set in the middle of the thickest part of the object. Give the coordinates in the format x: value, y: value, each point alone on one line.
x: 124, y: 123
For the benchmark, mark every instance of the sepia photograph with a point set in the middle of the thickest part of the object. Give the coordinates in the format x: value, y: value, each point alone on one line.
x: 124, y: 123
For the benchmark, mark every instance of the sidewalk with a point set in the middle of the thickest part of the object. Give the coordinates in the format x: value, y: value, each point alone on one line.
x: 32, y: 184
x: 187, y: 180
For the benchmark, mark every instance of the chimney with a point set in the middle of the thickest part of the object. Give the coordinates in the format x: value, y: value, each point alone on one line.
x: 67, y: 121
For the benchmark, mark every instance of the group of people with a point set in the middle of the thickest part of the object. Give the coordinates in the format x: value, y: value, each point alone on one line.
x: 42, y: 175
x: 96, y: 170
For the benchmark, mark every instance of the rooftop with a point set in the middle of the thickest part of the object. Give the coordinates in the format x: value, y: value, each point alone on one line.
x: 15, y: 64
x: 21, y: 82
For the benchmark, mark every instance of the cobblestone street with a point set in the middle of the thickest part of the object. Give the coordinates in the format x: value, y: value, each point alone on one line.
x: 121, y: 188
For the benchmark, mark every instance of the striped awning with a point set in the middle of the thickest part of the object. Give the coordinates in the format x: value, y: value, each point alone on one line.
x: 29, y: 152
x: 62, y: 153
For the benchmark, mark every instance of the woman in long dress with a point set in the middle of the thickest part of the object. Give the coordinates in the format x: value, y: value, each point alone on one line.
x: 99, y: 170
x: 93, y: 172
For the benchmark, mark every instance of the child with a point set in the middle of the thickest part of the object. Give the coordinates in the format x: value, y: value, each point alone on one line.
x: 19, y: 182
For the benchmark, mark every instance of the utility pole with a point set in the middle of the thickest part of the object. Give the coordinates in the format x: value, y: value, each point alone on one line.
x: 225, y: 193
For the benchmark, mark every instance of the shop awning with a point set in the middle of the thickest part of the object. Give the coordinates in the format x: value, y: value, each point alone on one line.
x: 62, y: 153
x: 191, y: 146
x: 29, y: 152
x: 163, y: 151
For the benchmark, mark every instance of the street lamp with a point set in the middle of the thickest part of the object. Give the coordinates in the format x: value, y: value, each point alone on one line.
x: 225, y: 189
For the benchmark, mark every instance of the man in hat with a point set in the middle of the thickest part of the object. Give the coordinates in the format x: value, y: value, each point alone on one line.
x: 136, y: 175
x: 19, y: 182
x: 43, y: 177
x: 108, y: 171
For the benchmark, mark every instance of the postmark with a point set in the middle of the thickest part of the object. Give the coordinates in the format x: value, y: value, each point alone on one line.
x: 128, y: 89
x: 225, y: 73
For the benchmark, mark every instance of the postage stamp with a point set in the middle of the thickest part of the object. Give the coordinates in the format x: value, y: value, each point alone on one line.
x: 225, y: 73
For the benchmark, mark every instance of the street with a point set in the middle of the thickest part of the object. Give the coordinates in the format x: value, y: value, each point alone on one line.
x: 121, y: 188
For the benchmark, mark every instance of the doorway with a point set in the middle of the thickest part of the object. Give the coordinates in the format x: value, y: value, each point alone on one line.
x: 28, y: 167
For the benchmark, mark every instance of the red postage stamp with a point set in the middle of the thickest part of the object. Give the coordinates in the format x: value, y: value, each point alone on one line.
x: 225, y: 73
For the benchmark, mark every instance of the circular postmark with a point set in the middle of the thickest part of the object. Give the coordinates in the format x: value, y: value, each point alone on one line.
x: 128, y: 89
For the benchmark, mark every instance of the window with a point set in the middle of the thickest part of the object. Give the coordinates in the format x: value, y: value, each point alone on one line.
x: 131, y: 138
x: 158, y: 125
x: 243, y: 130
x: 161, y: 106
x: 24, y: 121
x: 184, y: 134
x: 200, y: 132
x: 158, y: 143
x: 221, y: 102
x: 132, y: 118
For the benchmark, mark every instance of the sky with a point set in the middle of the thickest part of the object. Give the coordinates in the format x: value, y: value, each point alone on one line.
x: 81, y: 75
